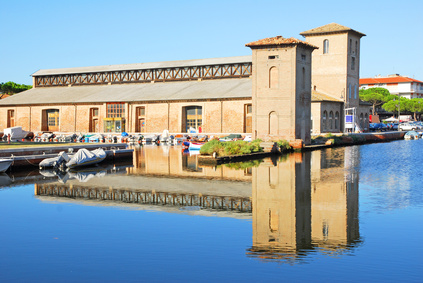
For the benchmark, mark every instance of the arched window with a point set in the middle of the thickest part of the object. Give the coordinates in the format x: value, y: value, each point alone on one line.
x: 356, y: 47
x: 325, y: 116
x: 336, y: 120
x: 303, y: 78
x: 355, y: 91
x: 325, y: 46
x: 273, y: 78
x: 349, y: 91
x: 331, y: 120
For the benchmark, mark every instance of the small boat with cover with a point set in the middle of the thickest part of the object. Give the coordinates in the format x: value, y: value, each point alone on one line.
x: 84, y: 157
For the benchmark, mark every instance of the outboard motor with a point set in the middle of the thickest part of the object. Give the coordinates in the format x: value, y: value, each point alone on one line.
x: 157, y: 140
x: 63, y: 159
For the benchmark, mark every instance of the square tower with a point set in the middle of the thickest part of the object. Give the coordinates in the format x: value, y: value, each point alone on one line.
x: 336, y: 63
x: 281, y: 89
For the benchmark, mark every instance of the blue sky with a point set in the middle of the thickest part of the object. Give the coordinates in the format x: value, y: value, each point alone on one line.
x: 60, y: 34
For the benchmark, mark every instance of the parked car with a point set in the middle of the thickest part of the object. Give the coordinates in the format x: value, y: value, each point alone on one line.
x: 409, y: 127
x: 377, y: 127
x: 392, y: 126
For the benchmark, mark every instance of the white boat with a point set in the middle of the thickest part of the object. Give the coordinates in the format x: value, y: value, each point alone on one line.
x: 62, y: 157
x: 16, y: 133
x: 5, y: 164
x: 411, y: 135
x: 195, y: 145
x: 84, y: 157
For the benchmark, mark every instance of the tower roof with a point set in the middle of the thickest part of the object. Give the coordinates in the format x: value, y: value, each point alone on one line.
x: 279, y: 41
x: 330, y: 28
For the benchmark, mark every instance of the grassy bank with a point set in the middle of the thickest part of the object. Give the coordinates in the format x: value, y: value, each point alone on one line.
x: 230, y: 148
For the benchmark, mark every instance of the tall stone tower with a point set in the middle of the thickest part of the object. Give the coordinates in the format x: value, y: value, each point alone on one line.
x: 281, y: 95
x: 336, y: 63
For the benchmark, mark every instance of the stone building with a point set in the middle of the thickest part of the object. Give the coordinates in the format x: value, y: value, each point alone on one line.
x: 335, y: 78
x: 207, y: 95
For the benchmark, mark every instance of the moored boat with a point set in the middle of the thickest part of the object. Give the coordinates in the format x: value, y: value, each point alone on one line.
x: 411, y: 135
x: 84, y: 157
x: 5, y: 164
x: 195, y: 145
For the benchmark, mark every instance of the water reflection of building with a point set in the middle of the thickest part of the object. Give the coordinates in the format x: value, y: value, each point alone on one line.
x: 163, y: 178
x: 306, y: 201
x: 302, y: 202
x: 171, y: 161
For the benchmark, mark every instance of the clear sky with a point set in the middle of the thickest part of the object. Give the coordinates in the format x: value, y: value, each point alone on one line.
x: 61, y: 34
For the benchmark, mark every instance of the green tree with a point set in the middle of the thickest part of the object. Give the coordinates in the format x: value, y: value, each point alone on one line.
x: 392, y: 105
x: 12, y: 88
x: 414, y: 105
x: 376, y: 96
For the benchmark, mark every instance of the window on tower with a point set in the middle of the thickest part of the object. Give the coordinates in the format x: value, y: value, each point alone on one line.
x: 325, y: 46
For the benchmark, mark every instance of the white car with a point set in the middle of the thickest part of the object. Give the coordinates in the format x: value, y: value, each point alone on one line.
x: 408, y: 127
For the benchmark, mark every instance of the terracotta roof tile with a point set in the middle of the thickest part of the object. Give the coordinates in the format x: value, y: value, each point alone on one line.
x: 330, y: 28
x: 279, y: 40
x: 387, y: 80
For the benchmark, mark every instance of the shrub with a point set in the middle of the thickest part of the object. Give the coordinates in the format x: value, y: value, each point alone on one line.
x: 231, y: 147
x: 329, y: 135
x: 284, y: 145
x: 212, y: 146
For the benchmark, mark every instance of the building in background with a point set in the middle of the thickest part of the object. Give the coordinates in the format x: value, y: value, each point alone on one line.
x: 396, y: 84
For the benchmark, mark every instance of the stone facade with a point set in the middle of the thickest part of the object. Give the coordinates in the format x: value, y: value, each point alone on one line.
x: 279, y: 81
x: 218, y: 116
x: 336, y: 69
x: 281, y: 89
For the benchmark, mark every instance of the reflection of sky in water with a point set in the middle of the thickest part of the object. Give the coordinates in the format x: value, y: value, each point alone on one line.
x: 391, y: 175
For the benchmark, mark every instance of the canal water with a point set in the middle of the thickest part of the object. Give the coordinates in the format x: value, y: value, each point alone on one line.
x: 349, y: 214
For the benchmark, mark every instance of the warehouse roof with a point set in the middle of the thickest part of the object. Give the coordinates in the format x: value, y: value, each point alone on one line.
x: 191, y: 90
x: 143, y: 66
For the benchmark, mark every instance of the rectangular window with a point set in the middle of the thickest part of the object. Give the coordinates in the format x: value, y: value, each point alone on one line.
x: 140, y: 119
x: 352, y: 63
x: 10, y: 118
x: 273, y: 57
x: 248, y: 118
x: 115, y: 110
x: 303, y: 57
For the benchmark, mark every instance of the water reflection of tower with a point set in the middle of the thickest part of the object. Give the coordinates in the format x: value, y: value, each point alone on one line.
x: 281, y: 208
x: 308, y: 200
x: 335, y: 199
